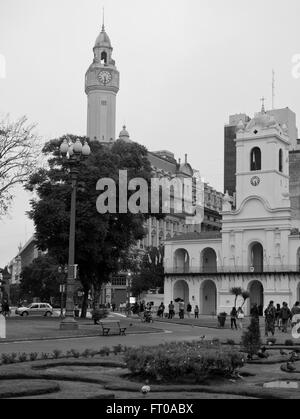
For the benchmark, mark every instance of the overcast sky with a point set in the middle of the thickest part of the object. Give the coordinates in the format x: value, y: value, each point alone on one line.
x: 184, y: 65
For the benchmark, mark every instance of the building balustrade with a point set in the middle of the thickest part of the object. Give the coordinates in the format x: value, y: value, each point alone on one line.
x: 232, y: 269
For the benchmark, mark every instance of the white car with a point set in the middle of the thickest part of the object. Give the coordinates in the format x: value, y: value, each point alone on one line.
x: 35, y: 309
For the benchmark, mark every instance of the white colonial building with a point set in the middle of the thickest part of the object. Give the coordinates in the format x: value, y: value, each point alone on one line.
x: 258, y: 248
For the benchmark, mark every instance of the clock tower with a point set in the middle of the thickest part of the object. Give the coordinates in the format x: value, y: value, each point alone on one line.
x: 101, y: 86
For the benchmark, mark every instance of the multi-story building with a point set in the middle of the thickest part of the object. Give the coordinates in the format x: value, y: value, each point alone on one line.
x: 258, y: 248
x: 102, y: 84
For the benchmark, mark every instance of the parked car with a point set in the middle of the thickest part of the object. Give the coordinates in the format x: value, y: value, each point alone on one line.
x: 35, y: 309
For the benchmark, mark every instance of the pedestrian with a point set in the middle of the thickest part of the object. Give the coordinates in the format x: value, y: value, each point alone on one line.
x: 270, y: 319
x: 296, y: 308
x: 277, y: 316
x: 254, y: 312
x: 113, y: 307
x: 161, y: 310
x: 233, y: 315
x: 171, y: 310
x: 196, y: 312
x: 240, y: 316
x: 142, y: 306
x: 181, y: 310
x: 294, y: 312
x: 285, y: 315
x: 5, y: 308
x: 189, y: 310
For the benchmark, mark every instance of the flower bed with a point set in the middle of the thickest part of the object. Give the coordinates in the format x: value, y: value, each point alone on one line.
x: 175, y: 362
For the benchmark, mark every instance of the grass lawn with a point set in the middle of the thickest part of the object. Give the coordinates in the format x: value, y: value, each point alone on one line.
x: 18, y: 329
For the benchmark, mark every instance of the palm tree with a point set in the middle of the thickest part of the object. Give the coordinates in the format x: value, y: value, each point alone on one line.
x: 245, y: 295
x: 236, y: 291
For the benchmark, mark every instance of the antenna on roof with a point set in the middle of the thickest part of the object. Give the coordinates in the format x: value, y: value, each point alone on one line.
x: 273, y: 89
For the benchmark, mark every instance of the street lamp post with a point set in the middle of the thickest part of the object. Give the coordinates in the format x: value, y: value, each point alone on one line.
x: 129, y: 285
x: 74, y: 153
x: 1, y: 279
x: 62, y: 287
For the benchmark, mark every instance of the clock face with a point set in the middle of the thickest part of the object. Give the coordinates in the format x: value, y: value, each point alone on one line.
x: 104, y: 77
x: 255, y: 181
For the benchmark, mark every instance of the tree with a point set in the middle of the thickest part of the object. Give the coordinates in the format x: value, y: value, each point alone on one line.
x: 236, y: 291
x: 245, y: 295
x: 151, y: 272
x: 41, y: 279
x: 102, y: 241
x: 19, y: 153
x: 251, y: 340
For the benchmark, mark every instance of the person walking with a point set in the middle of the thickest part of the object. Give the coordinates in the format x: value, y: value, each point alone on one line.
x: 240, y: 316
x: 161, y: 310
x: 270, y: 315
x: 294, y: 312
x: 254, y: 312
x: 181, y: 310
x: 171, y: 310
x: 5, y: 308
x: 196, y: 312
x: 233, y: 315
x: 278, y: 317
x: 189, y: 310
x: 285, y: 315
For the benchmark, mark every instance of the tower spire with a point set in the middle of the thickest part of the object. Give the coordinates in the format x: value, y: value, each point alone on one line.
x: 263, y: 110
x: 103, y: 19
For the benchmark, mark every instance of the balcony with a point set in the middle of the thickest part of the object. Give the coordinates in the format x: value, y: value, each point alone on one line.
x: 233, y: 269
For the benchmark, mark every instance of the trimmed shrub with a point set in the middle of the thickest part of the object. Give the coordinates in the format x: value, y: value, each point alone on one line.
x: 45, y: 356
x: 74, y: 353
x: 289, y: 342
x: 230, y: 342
x: 175, y: 362
x: 105, y: 351
x: 22, y: 357
x: 57, y: 353
x: 251, y: 340
x: 9, y: 358
x: 117, y: 349
x: 86, y: 353
x: 33, y: 356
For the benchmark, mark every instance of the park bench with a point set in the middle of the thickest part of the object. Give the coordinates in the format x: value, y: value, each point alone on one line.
x: 112, y: 325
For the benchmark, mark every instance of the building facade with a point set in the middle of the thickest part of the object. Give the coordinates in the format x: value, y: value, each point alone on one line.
x: 258, y: 248
x: 101, y: 86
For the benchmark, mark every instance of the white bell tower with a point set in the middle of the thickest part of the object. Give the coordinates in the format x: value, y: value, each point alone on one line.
x: 101, y: 87
x: 262, y: 161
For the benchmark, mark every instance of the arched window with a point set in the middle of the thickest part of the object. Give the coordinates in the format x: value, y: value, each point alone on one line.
x: 255, y: 159
x: 103, y: 57
x: 280, y: 160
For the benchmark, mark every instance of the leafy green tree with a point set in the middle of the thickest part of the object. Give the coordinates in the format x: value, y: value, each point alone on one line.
x: 151, y: 272
x: 102, y: 241
x: 41, y: 279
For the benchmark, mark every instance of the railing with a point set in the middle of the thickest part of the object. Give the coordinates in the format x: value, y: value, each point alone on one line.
x: 233, y: 269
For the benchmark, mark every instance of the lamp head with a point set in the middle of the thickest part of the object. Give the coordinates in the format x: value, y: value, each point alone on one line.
x: 64, y: 148
x: 86, y: 151
x: 77, y: 147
